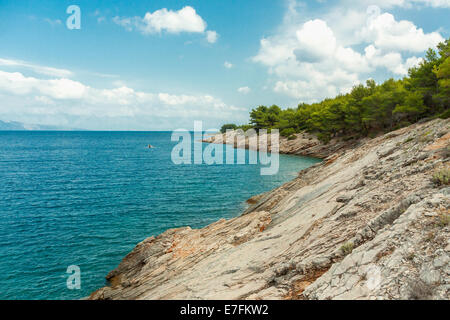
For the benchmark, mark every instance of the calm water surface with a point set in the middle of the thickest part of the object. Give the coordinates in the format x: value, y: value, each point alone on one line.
x: 87, y: 198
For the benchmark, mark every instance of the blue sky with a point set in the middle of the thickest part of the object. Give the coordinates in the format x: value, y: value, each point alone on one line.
x: 160, y: 65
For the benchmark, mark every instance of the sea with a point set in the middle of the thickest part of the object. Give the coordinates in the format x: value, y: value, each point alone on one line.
x: 86, y: 199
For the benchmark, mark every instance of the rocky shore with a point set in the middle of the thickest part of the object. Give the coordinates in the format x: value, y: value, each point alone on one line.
x: 369, y: 222
x: 304, y: 144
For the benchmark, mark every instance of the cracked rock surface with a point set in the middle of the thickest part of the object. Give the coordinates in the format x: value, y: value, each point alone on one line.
x: 367, y: 223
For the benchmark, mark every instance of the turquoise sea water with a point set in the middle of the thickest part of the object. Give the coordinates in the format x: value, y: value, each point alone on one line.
x: 87, y: 198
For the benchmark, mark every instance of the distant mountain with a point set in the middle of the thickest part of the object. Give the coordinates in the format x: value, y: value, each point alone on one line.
x: 11, y: 125
x: 14, y: 125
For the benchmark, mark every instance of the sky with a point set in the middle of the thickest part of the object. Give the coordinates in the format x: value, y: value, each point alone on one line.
x: 162, y: 64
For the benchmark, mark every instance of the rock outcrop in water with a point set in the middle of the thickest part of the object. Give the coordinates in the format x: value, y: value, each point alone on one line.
x: 367, y: 223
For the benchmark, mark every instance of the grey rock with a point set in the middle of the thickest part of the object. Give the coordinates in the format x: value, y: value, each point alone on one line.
x: 441, y: 261
x: 430, y: 276
x: 344, y: 199
x: 291, y: 236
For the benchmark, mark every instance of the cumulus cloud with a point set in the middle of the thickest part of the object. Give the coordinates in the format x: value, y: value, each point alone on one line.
x: 392, y: 61
x: 273, y: 52
x: 352, y: 61
x: 313, y: 59
x: 65, y: 99
x: 318, y: 84
x: 311, y: 63
x: 388, y: 34
x: 244, y: 90
x: 185, y: 20
x: 316, y: 41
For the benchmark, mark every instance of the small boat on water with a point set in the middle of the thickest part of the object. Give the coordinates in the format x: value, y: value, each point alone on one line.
x: 150, y: 146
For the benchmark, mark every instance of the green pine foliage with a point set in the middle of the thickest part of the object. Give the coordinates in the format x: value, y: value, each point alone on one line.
x: 228, y: 126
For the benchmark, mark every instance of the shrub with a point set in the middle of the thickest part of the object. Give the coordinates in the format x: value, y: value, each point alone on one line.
x: 347, y: 248
x: 229, y: 126
x: 245, y: 127
x: 443, y: 219
x: 402, y: 125
x: 426, y: 137
x: 441, y: 177
x: 348, y: 138
x: 372, y: 135
x: 324, y: 137
x: 293, y: 137
x: 445, y: 114
x: 287, y: 132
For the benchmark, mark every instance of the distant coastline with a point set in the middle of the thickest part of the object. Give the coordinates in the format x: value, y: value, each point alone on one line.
x: 20, y: 126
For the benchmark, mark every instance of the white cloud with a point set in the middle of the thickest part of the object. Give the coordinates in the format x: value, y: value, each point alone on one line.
x: 211, y: 36
x: 316, y: 41
x: 388, y: 34
x: 392, y: 61
x: 318, y: 84
x: 345, y: 23
x: 228, y: 65
x: 183, y: 20
x: 412, y: 62
x: 44, y: 100
x: 163, y: 20
x: 49, y: 71
x: 311, y: 64
x: 244, y: 90
x: 17, y: 83
x: 65, y: 100
x: 352, y: 61
x: 274, y: 52
x: 313, y: 59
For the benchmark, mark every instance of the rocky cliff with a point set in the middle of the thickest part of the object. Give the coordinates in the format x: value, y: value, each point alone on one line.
x: 370, y: 222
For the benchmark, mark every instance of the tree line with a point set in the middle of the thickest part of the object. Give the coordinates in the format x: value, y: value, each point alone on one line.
x: 368, y: 109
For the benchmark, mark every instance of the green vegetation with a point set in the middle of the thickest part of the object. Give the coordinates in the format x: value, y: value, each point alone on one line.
x: 426, y: 137
x: 371, y: 108
x: 287, y: 132
x: 444, y: 219
x: 229, y: 126
x: 442, y: 177
x: 347, y: 248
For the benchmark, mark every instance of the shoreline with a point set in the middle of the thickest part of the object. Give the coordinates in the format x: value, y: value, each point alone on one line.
x: 305, y: 144
x: 316, y: 236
